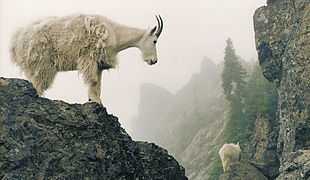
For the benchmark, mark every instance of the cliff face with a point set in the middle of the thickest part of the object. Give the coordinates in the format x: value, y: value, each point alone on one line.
x: 282, y: 30
x: 263, y: 149
x: 45, y: 139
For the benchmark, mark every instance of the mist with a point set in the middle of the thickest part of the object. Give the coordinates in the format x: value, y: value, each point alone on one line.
x: 192, y: 30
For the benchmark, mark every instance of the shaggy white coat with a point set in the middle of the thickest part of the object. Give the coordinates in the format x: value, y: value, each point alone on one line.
x: 229, y: 154
x: 87, y: 43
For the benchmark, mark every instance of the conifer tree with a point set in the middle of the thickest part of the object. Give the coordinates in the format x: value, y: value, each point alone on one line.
x: 233, y: 75
x: 234, y: 80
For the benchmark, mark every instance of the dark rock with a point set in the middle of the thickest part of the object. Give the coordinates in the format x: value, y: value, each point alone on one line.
x: 297, y: 164
x: 264, y: 146
x: 45, y: 139
x: 271, y: 69
x: 242, y: 171
x: 283, y: 42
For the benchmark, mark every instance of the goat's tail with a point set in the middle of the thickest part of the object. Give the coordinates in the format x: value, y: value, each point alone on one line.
x: 13, y: 45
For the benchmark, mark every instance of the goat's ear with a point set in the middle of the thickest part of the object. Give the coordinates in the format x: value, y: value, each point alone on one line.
x: 153, y: 30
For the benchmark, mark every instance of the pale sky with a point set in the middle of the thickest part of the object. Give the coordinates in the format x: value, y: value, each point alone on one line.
x: 192, y: 29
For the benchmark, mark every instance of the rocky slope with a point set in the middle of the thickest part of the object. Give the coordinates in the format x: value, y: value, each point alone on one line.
x: 45, y: 139
x: 282, y: 30
x: 259, y: 156
x: 243, y: 171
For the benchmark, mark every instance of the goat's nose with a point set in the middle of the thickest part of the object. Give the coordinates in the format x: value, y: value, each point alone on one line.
x: 154, y: 62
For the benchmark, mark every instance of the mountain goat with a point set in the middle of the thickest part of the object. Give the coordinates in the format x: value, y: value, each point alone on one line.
x: 229, y: 153
x: 87, y: 43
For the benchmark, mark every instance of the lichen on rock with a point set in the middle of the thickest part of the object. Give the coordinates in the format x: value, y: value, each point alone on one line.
x: 3, y: 82
x: 283, y: 43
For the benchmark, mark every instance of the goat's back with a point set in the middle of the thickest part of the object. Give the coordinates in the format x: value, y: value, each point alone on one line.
x: 59, y: 39
x: 230, y: 151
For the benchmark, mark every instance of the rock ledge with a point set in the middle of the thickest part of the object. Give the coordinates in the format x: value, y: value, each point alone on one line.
x: 45, y: 139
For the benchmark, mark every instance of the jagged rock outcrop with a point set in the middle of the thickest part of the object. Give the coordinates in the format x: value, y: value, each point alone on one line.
x: 45, y: 139
x: 201, y: 154
x: 149, y: 123
x: 282, y: 30
x: 243, y: 171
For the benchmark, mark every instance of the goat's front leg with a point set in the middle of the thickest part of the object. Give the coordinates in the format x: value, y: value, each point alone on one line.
x: 94, y: 89
x: 92, y: 77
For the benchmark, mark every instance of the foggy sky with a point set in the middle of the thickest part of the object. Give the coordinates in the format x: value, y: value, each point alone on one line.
x: 193, y: 29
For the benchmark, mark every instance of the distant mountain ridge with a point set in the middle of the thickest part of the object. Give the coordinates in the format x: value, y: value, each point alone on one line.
x: 194, y: 114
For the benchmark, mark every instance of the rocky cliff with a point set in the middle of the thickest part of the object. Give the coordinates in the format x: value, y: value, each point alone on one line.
x: 282, y: 30
x: 45, y: 139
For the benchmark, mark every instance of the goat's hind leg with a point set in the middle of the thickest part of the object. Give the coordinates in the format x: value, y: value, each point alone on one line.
x: 39, y: 66
x: 43, y: 79
x: 94, y: 90
x: 91, y: 72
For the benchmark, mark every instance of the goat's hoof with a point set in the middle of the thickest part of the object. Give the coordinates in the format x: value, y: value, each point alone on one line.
x: 95, y: 101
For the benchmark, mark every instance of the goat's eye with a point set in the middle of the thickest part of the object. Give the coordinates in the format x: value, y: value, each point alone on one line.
x: 154, y: 41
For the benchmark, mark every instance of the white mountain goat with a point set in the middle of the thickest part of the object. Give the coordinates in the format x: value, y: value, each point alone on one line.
x: 229, y: 154
x: 87, y: 43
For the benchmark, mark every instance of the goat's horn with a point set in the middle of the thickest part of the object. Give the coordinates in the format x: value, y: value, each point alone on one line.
x: 160, y: 25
